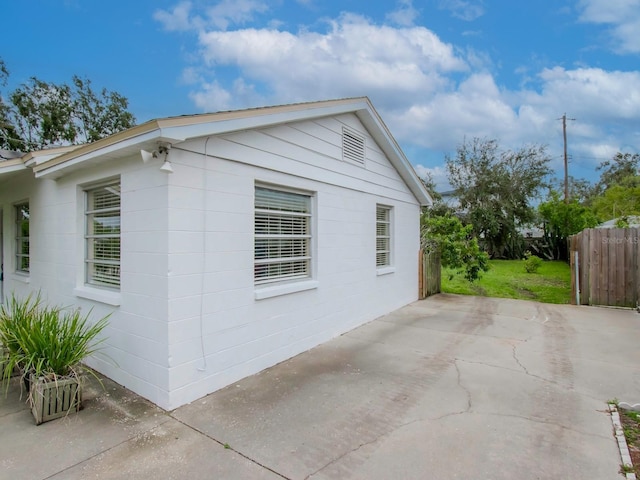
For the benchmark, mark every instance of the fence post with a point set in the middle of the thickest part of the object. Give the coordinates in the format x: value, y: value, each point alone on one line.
x: 429, y: 268
x: 420, y: 274
x: 577, y: 273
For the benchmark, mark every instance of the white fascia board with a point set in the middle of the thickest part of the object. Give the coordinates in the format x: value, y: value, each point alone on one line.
x: 33, y: 161
x: 57, y: 171
x: 258, y: 121
x: 10, y: 166
x: 397, y: 157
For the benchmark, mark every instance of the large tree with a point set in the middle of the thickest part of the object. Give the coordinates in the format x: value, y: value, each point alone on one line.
x: 618, y: 189
x: 619, y: 200
x: 617, y: 170
x: 496, y: 189
x: 40, y: 114
x: 560, y: 220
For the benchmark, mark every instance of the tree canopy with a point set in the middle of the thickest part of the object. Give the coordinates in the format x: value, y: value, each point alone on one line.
x: 561, y: 219
x: 40, y: 114
x: 458, y: 247
x: 619, y: 200
x: 496, y: 188
x: 617, y: 171
x: 616, y: 195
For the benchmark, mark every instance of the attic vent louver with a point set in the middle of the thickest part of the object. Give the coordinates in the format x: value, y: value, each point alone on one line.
x: 352, y: 146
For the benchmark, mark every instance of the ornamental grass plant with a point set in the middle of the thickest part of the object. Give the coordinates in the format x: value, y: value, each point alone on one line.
x: 46, y: 342
x: 14, y: 313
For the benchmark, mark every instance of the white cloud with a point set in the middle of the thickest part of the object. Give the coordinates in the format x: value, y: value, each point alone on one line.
x: 405, y: 15
x: 191, y: 76
x: 235, y: 12
x: 178, y: 19
x: 586, y: 92
x: 212, y: 96
x: 221, y: 15
x: 467, y: 10
x: 475, y: 108
x: 438, y: 175
x: 430, y: 93
x: 623, y: 16
x: 354, y: 57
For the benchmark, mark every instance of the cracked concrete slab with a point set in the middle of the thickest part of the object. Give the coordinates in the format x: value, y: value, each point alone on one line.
x: 170, y: 451
x: 448, y: 387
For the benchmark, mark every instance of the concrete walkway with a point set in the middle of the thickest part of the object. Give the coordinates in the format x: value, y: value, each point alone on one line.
x: 451, y: 387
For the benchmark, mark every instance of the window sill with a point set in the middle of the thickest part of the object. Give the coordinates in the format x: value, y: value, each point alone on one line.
x: 276, y: 290
x: 98, y: 295
x: 385, y: 270
x: 21, y: 277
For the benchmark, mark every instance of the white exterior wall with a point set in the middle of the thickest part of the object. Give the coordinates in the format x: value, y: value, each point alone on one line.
x: 187, y: 320
x: 219, y: 331
x: 136, y: 346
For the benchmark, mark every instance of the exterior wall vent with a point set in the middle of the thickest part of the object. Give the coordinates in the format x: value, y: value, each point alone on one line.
x: 352, y: 146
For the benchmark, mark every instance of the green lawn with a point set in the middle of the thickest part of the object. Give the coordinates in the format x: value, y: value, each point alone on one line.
x: 508, y: 279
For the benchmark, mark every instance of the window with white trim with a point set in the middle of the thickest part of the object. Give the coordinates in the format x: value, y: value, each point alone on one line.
x: 22, y: 237
x: 282, y: 248
x: 102, y: 237
x: 383, y: 236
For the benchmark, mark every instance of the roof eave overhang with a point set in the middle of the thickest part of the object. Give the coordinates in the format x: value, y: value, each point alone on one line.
x: 370, y: 118
x: 179, y: 129
x: 12, y: 166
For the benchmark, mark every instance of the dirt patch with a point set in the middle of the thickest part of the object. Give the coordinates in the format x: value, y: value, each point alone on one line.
x: 630, y: 421
x: 478, y: 290
x: 525, y: 293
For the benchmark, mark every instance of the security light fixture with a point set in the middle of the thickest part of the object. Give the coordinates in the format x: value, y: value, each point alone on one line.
x: 163, y: 149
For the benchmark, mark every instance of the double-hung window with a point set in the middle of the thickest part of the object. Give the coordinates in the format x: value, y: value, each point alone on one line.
x: 102, y: 256
x: 383, y: 236
x: 22, y: 237
x: 282, y: 248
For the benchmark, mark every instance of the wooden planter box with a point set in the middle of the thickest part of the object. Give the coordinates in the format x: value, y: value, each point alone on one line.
x: 54, y: 399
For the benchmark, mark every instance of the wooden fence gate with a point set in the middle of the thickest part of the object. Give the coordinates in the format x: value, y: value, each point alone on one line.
x: 605, y: 267
x: 428, y: 274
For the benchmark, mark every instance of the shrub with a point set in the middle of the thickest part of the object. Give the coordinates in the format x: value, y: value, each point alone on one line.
x: 46, y: 341
x: 531, y: 262
x: 458, y: 247
x: 14, y: 313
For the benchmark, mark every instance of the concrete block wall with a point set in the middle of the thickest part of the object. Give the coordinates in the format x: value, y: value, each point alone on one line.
x: 136, y: 348
x: 219, y: 332
x: 188, y: 318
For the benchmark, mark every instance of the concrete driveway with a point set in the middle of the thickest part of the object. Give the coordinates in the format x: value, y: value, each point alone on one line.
x: 446, y: 388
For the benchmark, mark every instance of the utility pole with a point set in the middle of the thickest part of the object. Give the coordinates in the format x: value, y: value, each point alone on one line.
x: 566, y: 158
x: 566, y: 162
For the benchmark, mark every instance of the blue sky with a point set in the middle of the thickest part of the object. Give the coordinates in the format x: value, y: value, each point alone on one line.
x: 438, y: 71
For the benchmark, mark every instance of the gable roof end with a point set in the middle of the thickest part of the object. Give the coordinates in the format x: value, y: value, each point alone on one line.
x: 178, y: 129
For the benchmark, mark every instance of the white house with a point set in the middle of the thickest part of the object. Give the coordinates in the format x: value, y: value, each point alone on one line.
x: 277, y: 229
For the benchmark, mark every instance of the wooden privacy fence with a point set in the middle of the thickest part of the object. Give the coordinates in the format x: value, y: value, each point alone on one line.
x: 605, y: 267
x: 428, y: 274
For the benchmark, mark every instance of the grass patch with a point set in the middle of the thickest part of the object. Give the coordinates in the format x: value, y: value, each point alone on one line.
x: 631, y: 427
x: 508, y: 279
